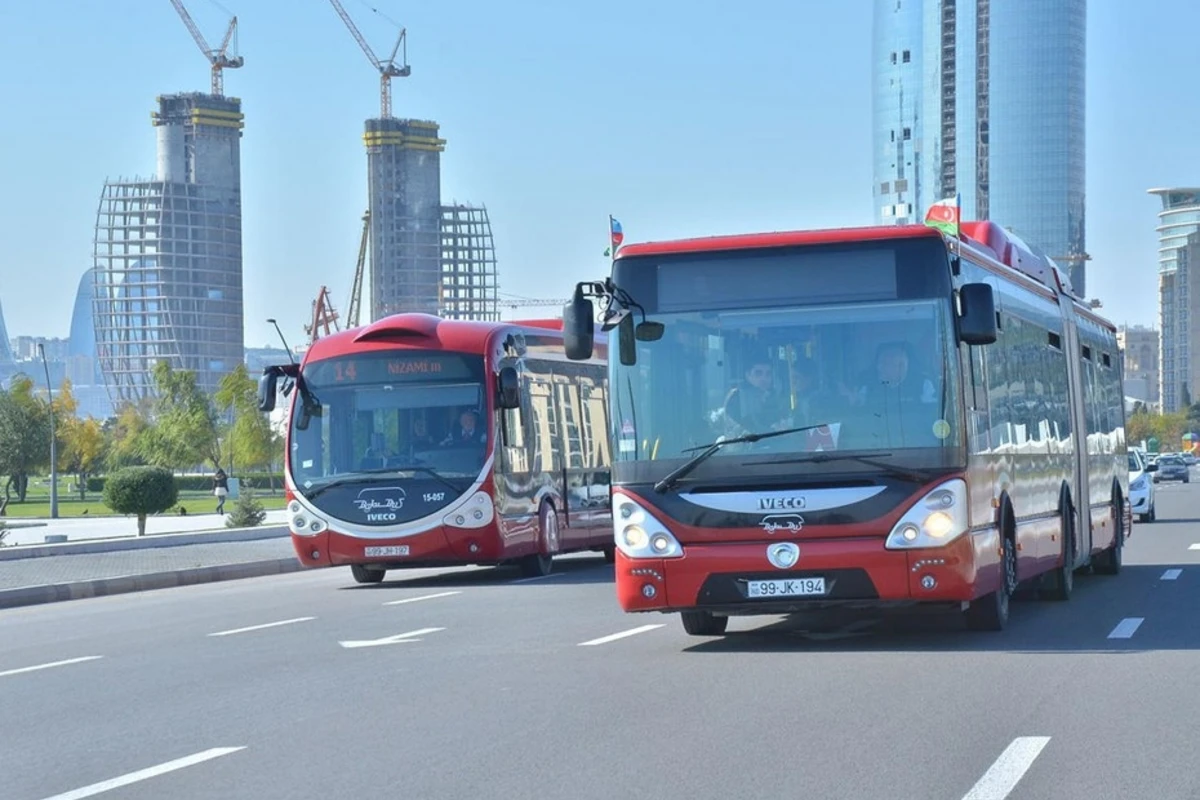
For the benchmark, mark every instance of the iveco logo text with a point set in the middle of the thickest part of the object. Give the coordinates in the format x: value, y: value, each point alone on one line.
x: 792, y: 523
x: 780, y: 503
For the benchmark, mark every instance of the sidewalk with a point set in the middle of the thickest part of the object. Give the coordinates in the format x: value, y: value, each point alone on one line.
x: 100, y: 556
x: 35, y: 531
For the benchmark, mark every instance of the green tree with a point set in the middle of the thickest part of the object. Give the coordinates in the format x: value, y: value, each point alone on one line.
x: 125, y: 436
x: 249, y: 442
x: 24, y: 435
x: 141, y: 491
x: 184, y: 433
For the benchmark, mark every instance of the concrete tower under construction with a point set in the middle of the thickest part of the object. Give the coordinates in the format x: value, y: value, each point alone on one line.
x: 168, y: 253
x: 404, y: 186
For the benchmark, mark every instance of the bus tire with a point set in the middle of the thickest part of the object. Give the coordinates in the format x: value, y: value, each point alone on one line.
x: 703, y: 623
x: 990, y: 612
x: 1109, y: 561
x: 540, y: 563
x: 365, y: 574
x: 1062, y: 578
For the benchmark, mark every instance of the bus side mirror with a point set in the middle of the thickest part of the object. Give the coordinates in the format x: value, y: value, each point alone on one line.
x: 267, y: 386
x: 648, y: 331
x: 626, y: 340
x: 579, y: 327
x: 508, y: 389
x: 977, y: 318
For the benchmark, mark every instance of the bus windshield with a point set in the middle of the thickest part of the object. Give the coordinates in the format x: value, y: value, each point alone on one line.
x: 881, y: 374
x: 393, y: 416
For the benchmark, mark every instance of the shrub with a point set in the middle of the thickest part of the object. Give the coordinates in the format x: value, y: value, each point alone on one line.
x: 247, y: 511
x: 141, y: 491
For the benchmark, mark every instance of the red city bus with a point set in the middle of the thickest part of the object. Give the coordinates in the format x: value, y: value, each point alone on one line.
x: 883, y: 416
x: 420, y: 441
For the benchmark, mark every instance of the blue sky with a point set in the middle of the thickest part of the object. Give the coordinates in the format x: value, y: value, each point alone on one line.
x: 678, y: 118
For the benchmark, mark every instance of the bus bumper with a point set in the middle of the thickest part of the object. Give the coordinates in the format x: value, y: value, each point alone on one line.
x: 856, y: 572
x: 435, y: 547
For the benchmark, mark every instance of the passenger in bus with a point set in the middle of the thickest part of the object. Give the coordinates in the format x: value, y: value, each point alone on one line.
x: 420, y: 438
x: 753, y: 406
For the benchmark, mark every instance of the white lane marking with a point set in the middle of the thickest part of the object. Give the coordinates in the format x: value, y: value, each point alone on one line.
x: 621, y: 635
x: 400, y: 638
x: 422, y: 597
x: 48, y: 666
x: 1126, y: 627
x: 1172, y: 574
x: 539, y: 577
x: 263, y: 626
x: 1003, y: 776
x: 1195, y: 546
x: 145, y: 774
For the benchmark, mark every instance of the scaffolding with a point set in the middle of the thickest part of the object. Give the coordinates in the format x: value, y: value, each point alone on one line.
x: 468, y: 287
x: 167, y: 285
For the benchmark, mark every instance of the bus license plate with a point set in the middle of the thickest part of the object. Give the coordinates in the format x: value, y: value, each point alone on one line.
x: 792, y: 587
x: 401, y: 550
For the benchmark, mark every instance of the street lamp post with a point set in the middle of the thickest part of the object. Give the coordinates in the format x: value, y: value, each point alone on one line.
x: 285, y: 344
x: 53, y: 440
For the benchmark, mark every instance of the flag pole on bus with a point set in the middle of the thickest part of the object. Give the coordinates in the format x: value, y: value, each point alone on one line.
x: 615, y: 237
x: 945, y: 215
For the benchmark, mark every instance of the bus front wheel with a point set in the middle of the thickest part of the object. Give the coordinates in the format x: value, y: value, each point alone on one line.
x: 364, y: 574
x: 703, y: 623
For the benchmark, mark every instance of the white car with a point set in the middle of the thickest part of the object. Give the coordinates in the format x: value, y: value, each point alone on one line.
x: 1141, y: 487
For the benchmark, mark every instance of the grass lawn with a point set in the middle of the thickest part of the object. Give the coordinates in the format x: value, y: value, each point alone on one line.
x: 37, y: 505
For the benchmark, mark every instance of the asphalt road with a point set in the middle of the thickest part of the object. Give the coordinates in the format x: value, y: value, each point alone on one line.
x: 472, y: 683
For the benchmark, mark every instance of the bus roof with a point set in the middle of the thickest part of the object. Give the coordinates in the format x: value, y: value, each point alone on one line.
x: 420, y: 330
x: 984, y: 238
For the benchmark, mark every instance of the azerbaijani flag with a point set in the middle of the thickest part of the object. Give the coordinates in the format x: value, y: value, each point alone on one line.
x: 944, y: 215
x: 615, y: 232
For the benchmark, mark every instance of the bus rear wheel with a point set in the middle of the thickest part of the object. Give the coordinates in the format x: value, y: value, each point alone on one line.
x: 1109, y: 561
x: 365, y: 574
x: 703, y: 623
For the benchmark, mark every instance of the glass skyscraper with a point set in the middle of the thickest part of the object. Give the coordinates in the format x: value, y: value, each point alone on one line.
x: 1178, y: 264
x: 984, y: 100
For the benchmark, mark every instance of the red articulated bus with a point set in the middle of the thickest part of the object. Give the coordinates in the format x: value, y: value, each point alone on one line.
x: 860, y: 417
x: 421, y: 441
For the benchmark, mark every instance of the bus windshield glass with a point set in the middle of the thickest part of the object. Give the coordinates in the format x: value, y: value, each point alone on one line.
x: 871, y: 354
x: 383, y: 415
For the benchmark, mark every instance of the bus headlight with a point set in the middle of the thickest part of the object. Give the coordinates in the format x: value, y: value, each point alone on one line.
x: 638, y: 534
x: 303, y: 522
x: 935, y: 520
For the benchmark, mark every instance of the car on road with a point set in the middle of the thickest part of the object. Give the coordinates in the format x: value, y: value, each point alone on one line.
x: 1171, y: 468
x: 1141, y: 487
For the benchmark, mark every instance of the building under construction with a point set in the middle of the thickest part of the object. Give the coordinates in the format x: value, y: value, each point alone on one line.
x: 468, y: 287
x: 168, y: 253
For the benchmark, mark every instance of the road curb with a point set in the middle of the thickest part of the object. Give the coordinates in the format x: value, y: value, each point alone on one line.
x: 86, y: 546
x: 78, y: 590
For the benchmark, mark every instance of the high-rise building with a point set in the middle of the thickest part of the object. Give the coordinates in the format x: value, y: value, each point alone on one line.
x: 168, y: 253
x: 984, y: 100
x: 404, y: 187
x: 1178, y: 296
x: 1139, y: 362
x: 8, y: 364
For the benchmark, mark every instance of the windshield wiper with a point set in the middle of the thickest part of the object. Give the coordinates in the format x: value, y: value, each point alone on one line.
x: 675, y: 476
x: 891, y: 469
x: 362, y: 475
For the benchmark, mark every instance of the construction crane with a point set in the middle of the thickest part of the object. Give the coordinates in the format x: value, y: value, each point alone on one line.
x: 352, y: 316
x: 324, y: 317
x: 387, y: 69
x: 217, y: 58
